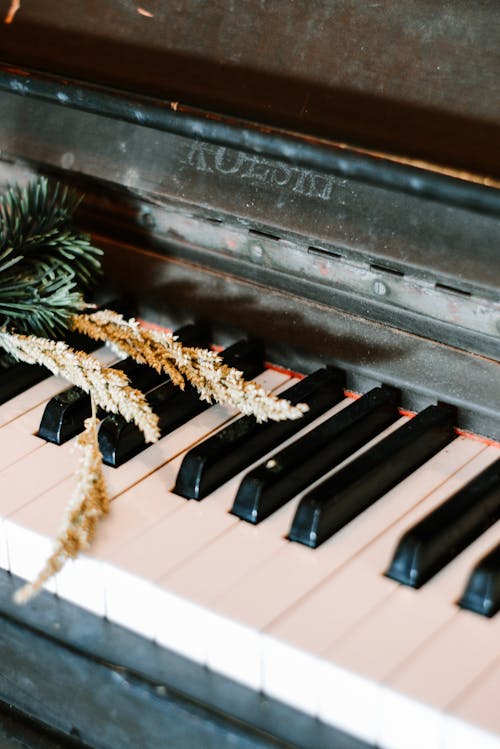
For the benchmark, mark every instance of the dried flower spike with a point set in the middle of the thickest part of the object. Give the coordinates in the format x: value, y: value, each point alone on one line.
x: 108, y: 387
x: 204, y: 369
x: 13, y: 8
x: 88, y: 505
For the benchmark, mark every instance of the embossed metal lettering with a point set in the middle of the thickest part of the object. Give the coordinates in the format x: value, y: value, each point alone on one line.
x: 225, y: 161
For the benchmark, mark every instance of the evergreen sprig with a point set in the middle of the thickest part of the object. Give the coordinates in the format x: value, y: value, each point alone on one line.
x: 45, y: 264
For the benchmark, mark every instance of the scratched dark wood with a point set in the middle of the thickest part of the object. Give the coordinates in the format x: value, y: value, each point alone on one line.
x: 412, y: 77
x: 18, y: 732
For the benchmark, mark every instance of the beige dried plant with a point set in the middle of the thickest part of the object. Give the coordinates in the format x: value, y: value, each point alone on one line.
x: 204, y: 369
x: 12, y: 10
x: 110, y: 388
x: 88, y: 505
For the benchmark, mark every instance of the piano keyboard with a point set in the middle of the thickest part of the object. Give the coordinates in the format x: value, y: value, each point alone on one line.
x: 323, y: 629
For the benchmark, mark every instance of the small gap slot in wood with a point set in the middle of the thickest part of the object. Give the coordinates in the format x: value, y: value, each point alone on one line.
x: 325, y: 253
x: 452, y: 289
x: 385, y: 269
x: 264, y: 234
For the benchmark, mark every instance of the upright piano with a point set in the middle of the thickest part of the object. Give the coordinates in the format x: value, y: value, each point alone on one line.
x: 321, y: 178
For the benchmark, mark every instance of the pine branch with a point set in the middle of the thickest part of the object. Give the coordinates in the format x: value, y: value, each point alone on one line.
x: 45, y: 264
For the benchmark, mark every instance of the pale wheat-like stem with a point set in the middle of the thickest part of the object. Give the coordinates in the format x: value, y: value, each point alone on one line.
x: 108, y: 387
x: 12, y: 10
x: 89, y: 504
x: 204, y: 369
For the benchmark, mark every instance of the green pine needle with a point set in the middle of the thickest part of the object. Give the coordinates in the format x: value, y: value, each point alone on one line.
x: 45, y: 264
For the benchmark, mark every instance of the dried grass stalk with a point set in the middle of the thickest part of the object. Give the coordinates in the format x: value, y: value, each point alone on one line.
x: 11, y: 12
x: 204, y: 369
x: 88, y: 505
x: 109, y: 387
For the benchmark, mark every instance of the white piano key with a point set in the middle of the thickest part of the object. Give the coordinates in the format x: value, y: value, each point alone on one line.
x: 223, y: 566
x: 4, y: 556
x: 18, y: 438
x: 473, y: 719
x: 28, y: 422
x: 33, y: 396
x: 16, y: 443
x: 34, y: 474
x: 296, y: 570
x: 421, y: 621
x: 27, y: 551
x: 33, y: 493
x: 311, y: 623
x: 228, y: 553
x: 423, y: 687
x: 172, y: 540
x: 368, y: 654
x: 84, y: 581
x: 292, y: 646
x: 244, y: 545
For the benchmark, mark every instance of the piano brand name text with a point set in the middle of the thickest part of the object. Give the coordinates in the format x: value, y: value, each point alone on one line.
x: 225, y: 161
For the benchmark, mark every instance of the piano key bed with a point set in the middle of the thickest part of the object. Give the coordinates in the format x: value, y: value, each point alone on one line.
x: 327, y: 582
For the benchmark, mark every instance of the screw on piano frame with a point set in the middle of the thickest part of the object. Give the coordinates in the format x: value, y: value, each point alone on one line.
x: 380, y: 288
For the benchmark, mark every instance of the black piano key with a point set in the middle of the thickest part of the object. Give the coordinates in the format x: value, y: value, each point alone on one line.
x: 120, y: 440
x: 218, y: 458
x: 15, y: 377
x: 342, y: 497
x: 6, y: 361
x: 482, y: 592
x: 437, y: 539
x: 65, y: 413
x: 286, y: 473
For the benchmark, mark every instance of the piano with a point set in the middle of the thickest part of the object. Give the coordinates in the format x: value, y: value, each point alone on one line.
x: 322, y: 178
